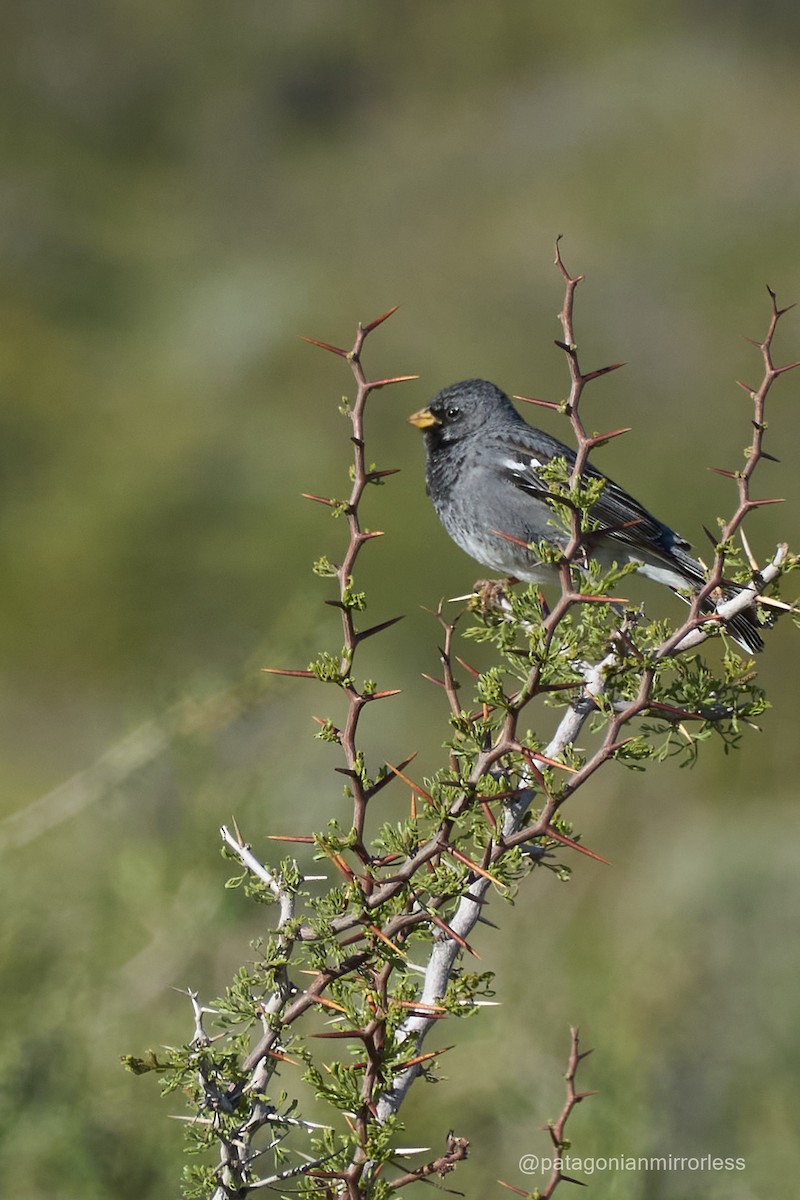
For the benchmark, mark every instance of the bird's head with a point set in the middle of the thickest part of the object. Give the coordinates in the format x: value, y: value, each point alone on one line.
x: 462, y: 410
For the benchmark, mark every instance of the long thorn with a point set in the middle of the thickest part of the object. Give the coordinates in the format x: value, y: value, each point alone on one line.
x: 379, y: 320
x: 326, y: 346
x: 603, y: 371
x: 379, y: 383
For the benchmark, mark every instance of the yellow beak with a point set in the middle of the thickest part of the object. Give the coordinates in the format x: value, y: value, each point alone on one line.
x: 424, y: 419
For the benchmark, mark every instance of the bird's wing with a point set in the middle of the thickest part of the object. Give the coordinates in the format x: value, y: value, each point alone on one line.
x: 523, y: 459
x: 618, y: 514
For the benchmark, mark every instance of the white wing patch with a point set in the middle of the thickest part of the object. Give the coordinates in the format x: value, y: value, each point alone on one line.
x: 520, y: 466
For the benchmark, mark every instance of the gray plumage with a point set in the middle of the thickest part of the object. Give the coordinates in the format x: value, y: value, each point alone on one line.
x: 484, y: 479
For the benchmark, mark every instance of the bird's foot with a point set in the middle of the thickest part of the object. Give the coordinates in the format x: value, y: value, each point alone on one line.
x: 492, y: 594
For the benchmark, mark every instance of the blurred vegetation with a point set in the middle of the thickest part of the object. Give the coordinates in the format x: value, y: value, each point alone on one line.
x: 187, y: 188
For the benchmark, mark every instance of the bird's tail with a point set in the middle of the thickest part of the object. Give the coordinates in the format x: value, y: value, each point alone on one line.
x: 744, y: 627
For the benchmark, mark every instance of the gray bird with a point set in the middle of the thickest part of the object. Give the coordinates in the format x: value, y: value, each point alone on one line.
x: 483, y: 475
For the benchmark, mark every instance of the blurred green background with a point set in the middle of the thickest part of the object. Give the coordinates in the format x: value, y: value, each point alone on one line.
x: 187, y: 189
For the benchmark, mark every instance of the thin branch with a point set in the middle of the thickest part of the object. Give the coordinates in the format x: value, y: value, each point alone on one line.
x: 557, y: 1128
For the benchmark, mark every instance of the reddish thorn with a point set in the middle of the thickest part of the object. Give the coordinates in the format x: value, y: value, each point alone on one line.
x: 551, y: 762
x: 383, y: 474
x: 745, y: 386
x: 379, y: 320
x: 603, y: 371
x: 540, y: 403
x: 339, y: 863
x: 365, y: 536
x: 537, y: 773
x: 600, y: 439
x: 406, y: 761
x: 414, y: 786
x: 451, y: 933
x: 560, y: 837
x: 658, y: 706
x: 511, y: 794
x: 327, y: 346
x: 706, y: 617
x: 490, y: 817
x: 410, y: 1062
x: 379, y: 383
x: 721, y: 471
x: 581, y: 599
x: 418, y: 1006
x: 467, y: 667
x: 283, y: 671
x: 430, y: 678
x: 283, y: 1058
x: 510, y: 538
x: 789, y: 366
x: 761, y: 503
x: 387, y: 940
x: 382, y: 695
x: 285, y: 837
x: 612, y: 749
x: 562, y: 687
x: 326, y: 1002
x: 339, y: 1033
x: 387, y: 859
x: 319, y: 499
x: 517, y: 1191
x: 474, y: 866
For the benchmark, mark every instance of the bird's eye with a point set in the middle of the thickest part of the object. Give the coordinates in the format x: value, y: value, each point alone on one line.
x: 453, y: 413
